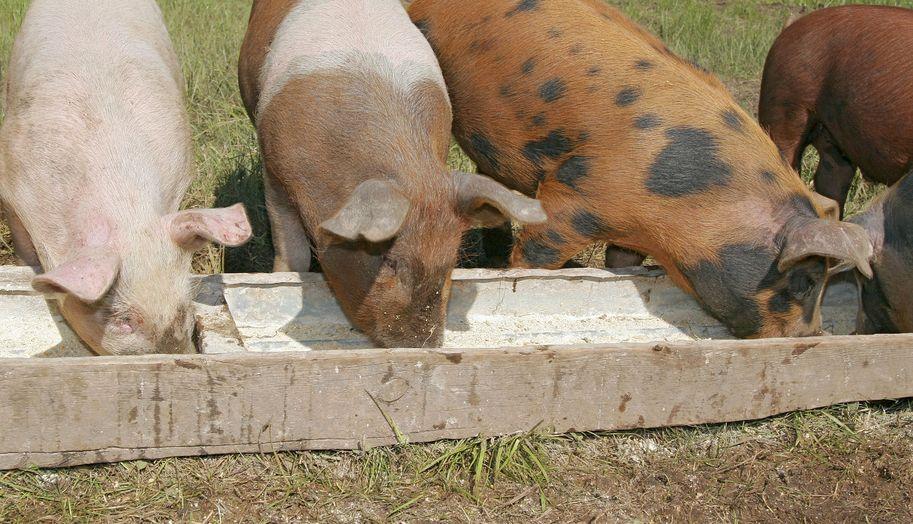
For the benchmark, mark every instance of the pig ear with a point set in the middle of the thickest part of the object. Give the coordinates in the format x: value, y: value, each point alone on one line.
x: 86, y: 277
x: 830, y: 206
x: 490, y: 204
x: 848, y: 244
x: 191, y: 229
x: 376, y: 212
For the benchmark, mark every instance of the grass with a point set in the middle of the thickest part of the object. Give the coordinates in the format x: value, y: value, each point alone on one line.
x: 852, y: 462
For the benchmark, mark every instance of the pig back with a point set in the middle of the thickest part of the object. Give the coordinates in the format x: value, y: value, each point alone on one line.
x: 95, y: 119
x: 323, y: 35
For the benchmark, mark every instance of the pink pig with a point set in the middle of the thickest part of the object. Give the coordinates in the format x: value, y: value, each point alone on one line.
x: 95, y: 156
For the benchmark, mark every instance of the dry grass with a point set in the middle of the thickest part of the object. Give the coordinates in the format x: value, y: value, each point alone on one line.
x: 848, y: 463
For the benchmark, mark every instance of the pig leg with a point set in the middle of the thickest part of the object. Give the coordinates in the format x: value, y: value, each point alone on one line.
x: 835, y: 172
x: 620, y: 257
x: 22, y: 242
x: 550, y: 245
x: 496, y: 244
x: 789, y: 126
x: 293, y: 251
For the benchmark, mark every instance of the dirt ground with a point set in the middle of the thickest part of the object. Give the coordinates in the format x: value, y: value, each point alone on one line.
x: 851, y: 463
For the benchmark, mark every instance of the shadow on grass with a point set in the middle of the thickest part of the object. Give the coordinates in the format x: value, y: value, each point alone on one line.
x: 245, y: 184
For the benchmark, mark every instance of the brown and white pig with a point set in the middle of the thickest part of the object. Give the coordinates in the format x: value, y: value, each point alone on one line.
x: 95, y: 156
x: 354, y: 125
x: 841, y: 80
x: 624, y: 142
x: 886, y: 299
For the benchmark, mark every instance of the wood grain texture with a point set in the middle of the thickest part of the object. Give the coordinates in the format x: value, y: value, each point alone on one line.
x: 76, y: 411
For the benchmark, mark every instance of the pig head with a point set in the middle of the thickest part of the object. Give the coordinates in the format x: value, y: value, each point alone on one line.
x: 885, y: 300
x: 128, y: 292
x: 388, y: 254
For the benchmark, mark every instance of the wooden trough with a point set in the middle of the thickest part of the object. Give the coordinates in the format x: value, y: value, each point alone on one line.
x: 280, y: 369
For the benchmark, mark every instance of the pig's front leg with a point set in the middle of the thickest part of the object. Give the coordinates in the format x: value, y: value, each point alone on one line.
x: 293, y: 251
x: 22, y: 242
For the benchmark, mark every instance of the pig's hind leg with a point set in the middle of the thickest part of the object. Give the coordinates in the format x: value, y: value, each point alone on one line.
x: 22, y: 241
x: 616, y: 257
x: 290, y: 240
x: 835, y: 173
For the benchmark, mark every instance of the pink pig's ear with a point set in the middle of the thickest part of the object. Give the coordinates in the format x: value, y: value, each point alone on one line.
x: 191, y: 229
x: 86, y: 277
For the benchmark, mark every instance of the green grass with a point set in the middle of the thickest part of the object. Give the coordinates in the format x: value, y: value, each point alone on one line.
x: 847, y: 463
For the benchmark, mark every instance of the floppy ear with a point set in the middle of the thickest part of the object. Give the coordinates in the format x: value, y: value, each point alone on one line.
x: 87, y: 276
x: 376, y: 212
x: 830, y: 206
x: 848, y: 244
x: 191, y: 229
x: 490, y: 204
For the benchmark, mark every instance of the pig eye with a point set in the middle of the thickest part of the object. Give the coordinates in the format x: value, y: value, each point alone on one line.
x: 801, y: 285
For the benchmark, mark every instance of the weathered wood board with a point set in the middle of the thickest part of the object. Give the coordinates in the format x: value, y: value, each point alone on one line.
x: 258, y: 387
x: 65, y: 412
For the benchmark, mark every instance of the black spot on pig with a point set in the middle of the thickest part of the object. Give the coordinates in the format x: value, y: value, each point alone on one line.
x: 576, y: 49
x: 555, y: 238
x: 552, y: 146
x: 644, y: 65
x: 524, y: 5
x: 780, y: 302
x: 538, y: 254
x: 593, y: 71
x: 486, y: 154
x: 539, y: 120
x: 733, y: 120
x: 647, y: 121
x: 528, y: 66
x: 554, y: 33
x: 628, y: 96
x: 689, y: 164
x: 583, y: 136
x: 588, y: 225
x: 728, y: 288
x: 769, y: 176
x: 506, y: 91
x: 572, y: 170
x: 552, y: 90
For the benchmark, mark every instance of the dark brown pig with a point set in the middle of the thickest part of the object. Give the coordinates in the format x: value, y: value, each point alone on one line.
x: 886, y: 304
x: 624, y: 142
x: 841, y: 79
x: 354, y: 126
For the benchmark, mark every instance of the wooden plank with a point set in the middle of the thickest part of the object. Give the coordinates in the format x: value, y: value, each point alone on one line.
x: 87, y: 410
